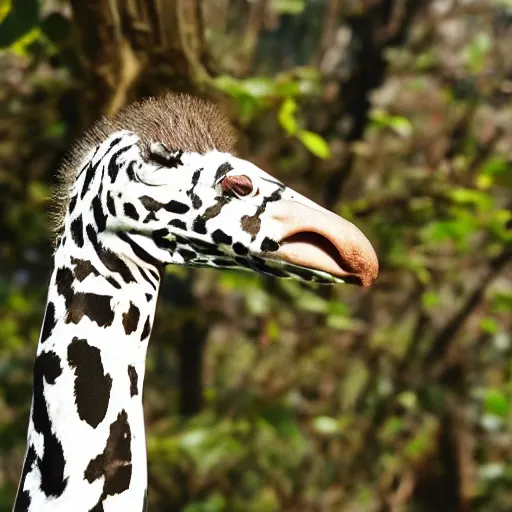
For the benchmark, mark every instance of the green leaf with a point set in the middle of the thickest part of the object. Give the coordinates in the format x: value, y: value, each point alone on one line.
x: 489, y: 325
x: 5, y: 9
x: 495, y: 402
x: 315, y: 143
x: 399, y: 124
x: 22, y: 17
x: 476, y: 52
x: 286, y: 117
x: 289, y: 6
x: 470, y: 196
x: 326, y: 425
x: 430, y: 299
x: 408, y: 400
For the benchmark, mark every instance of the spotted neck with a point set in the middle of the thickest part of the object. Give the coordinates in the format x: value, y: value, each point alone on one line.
x: 86, y: 442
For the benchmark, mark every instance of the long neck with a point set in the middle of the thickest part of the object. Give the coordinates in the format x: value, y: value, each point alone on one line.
x: 86, y: 447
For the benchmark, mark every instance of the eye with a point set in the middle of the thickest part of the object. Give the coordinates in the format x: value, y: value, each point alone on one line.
x: 240, y: 186
x: 161, y: 155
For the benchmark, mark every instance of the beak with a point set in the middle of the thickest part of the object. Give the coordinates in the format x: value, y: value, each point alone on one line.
x: 319, y: 239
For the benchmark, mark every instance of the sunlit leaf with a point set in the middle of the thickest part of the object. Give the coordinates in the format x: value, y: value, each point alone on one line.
x: 315, y: 143
x: 18, y: 21
x: 289, y: 6
x: 286, y: 116
x: 476, y: 52
x: 325, y: 425
x: 5, y: 8
x: 495, y: 402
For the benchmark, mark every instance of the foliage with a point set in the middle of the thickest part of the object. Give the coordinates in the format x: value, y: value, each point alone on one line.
x: 393, y: 398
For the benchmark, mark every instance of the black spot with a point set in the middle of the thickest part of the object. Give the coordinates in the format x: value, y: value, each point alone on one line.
x: 176, y: 207
x: 96, y: 307
x: 115, y: 264
x: 130, y: 172
x: 87, y: 180
x: 199, y: 225
x: 23, y: 499
x: 115, y: 463
x: 49, y: 322
x: 111, y: 207
x: 269, y: 245
x: 166, y: 158
x: 113, y: 167
x: 178, y: 224
x: 113, y: 143
x: 142, y: 253
x: 223, y: 170
x: 240, y: 249
x: 150, y: 216
x: 83, y: 268
x: 243, y: 262
x: 148, y: 297
x: 219, y: 237
x: 150, y: 204
x: 206, y: 250
x: 196, y: 200
x: 92, y: 235
x: 113, y: 282
x: 92, y: 384
x: 132, y: 374
x: 186, y: 254
x: 223, y: 262
x: 131, y: 319
x: 131, y: 211
x: 159, y: 237
x: 147, y: 278
x: 47, y: 368
x: 72, y: 204
x: 98, y: 507
x: 77, y: 231
x: 99, y: 217
x: 146, y: 331
x: 63, y: 279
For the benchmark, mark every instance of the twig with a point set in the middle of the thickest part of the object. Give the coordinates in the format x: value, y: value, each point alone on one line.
x: 444, y: 338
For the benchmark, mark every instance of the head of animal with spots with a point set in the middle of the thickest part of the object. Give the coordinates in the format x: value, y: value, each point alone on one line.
x: 157, y: 184
x: 162, y: 176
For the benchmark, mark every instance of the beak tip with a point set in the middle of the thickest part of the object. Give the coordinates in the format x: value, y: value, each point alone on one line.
x: 368, y: 268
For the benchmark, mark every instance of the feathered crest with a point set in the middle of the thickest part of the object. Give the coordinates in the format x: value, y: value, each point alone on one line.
x: 179, y: 121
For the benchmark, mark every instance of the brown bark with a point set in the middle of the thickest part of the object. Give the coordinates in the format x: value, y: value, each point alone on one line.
x: 139, y: 47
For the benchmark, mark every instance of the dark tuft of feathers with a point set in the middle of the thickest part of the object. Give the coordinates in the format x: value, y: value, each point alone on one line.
x: 179, y: 121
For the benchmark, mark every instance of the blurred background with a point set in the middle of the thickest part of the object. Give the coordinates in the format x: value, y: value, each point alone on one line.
x: 267, y: 395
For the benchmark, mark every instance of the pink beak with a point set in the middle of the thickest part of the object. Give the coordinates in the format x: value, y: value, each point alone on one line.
x: 319, y: 239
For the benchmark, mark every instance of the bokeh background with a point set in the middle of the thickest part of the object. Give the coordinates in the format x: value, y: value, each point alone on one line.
x: 267, y: 395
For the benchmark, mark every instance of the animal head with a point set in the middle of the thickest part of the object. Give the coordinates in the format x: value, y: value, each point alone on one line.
x: 162, y: 176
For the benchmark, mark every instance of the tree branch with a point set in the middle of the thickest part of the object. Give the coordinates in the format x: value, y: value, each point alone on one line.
x: 444, y: 338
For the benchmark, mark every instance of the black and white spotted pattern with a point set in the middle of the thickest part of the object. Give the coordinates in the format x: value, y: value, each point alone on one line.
x: 128, y: 216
